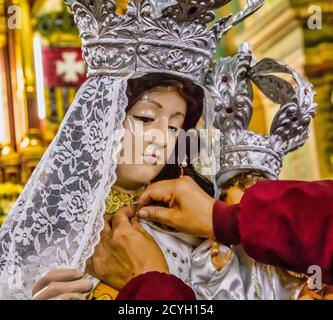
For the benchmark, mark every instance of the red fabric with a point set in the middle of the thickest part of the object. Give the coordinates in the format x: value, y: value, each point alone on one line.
x: 54, y: 75
x: 288, y: 224
x: 225, y: 223
x: 156, y: 286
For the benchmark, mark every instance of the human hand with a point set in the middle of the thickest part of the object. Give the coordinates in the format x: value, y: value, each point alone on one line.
x: 62, y: 284
x: 189, y: 210
x: 125, y: 251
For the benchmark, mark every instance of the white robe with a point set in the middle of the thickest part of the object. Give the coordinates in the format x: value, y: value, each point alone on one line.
x: 189, y: 258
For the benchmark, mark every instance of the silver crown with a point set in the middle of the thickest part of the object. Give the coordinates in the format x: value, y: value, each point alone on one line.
x: 169, y: 36
x: 241, y: 149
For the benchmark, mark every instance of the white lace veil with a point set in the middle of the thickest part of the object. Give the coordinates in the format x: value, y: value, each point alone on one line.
x: 57, y: 220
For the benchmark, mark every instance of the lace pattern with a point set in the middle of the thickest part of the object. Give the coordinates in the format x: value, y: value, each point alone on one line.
x: 57, y: 220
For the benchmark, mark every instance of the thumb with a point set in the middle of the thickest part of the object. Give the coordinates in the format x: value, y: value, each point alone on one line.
x: 107, y: 224
x: 157, y: 214
x: 122, y: 217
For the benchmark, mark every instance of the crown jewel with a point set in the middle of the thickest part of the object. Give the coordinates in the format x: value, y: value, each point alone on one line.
x: 169, y: 36
x: 241, y: 149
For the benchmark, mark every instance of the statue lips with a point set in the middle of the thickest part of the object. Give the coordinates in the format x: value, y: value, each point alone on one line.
x: 151, y: 158
x: 152, y: 155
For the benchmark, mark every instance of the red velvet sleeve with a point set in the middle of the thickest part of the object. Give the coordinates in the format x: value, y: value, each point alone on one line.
x: 156, y: 286
x: 288, y: 224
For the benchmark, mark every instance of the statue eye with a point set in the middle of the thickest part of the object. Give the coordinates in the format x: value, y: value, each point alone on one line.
x: 143, y: 119
x: 173, y: 129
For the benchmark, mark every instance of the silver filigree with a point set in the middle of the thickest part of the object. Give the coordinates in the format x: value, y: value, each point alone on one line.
x: 153, y: 36
x: 241, y: 149
x: 194, y: 10
x: 227, y: 23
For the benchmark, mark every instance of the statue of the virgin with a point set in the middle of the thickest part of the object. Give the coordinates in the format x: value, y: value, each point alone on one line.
x: 146, y: 71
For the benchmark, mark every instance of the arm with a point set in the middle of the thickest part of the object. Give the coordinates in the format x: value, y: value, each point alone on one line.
x: 288, y: 224
x: 117, y: 259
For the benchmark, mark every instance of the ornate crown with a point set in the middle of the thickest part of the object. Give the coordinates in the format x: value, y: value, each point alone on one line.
x: 243, y: 150
x: 169, y: 36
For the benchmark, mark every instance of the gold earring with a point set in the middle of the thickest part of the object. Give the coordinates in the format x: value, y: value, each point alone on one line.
x: 181, y: 166
x: 181, y: 171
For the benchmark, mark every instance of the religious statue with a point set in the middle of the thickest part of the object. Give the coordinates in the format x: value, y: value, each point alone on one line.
x: 149, y: 70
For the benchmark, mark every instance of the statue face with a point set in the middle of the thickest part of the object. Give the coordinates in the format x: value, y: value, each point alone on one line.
x: 151, y: 130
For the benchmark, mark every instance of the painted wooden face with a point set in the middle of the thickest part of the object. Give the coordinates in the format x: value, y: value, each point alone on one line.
x: 151, y: 127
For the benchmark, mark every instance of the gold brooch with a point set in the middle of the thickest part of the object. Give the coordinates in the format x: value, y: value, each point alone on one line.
x: 117, y: 200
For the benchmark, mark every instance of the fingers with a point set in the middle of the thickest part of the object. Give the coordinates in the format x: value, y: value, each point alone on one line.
x: 166, y: 191
x: 60, y: 275
x: 107, y: 224
x: 161, y: 191
x: 55, y: 289
x: 157, y: 214
x: 135, y: 220
x: 70, y: 296
x: 122, y: 217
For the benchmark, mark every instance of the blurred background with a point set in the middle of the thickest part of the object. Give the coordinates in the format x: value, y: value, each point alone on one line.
x: 41, y: 69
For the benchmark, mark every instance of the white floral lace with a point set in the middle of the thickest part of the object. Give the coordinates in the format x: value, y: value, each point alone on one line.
x: 57, y: 220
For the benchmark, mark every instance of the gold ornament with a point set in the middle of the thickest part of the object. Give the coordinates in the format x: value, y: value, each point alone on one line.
x: 117, y: 200
x: 103, y: 292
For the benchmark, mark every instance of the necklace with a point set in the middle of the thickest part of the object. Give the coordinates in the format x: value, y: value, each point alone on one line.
x: 117, y: 200
x: 114, y: 202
